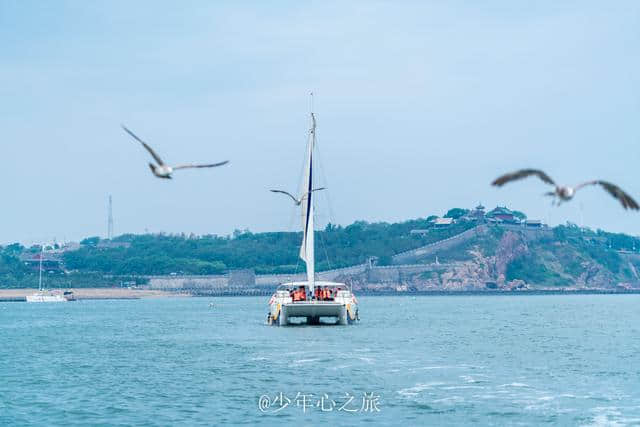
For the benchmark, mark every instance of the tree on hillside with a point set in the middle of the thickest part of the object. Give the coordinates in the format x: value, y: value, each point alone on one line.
x: 456, y: 213
x: 90, y: 241
x: 14, y: 248
x: 520, y: 215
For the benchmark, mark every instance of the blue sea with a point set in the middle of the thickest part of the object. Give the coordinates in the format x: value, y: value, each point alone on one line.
x: 427, y: 360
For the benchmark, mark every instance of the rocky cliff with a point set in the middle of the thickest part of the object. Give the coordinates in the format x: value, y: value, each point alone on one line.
x: 503, y: 258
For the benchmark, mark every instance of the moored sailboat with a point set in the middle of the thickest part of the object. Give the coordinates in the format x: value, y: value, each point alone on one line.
x: 44, y: 295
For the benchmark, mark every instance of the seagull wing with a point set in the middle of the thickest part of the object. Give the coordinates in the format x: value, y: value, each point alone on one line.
x: 523, y: 173
x: 145, y: 145
x: 287, y: 193
x: 617, y: 192
x: 189, y: 166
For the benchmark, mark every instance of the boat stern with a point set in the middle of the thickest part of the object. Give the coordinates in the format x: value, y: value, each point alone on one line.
x: 289, y: 304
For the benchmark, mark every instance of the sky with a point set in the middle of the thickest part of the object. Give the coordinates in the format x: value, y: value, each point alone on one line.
x: 420, y: 105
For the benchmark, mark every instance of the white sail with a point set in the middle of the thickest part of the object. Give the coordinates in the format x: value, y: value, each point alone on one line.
x: 307, y: 248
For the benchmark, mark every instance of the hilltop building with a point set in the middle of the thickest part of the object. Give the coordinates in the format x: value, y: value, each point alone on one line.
x: 443, y: 222
x: 502, y: 215
x: 477, y: 214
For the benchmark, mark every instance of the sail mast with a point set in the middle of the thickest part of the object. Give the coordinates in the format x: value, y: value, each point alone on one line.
x: 40, y: 269
x: 307, y: 252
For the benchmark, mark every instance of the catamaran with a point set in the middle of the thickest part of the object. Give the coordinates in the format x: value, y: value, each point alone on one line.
x: 47, y: 295
x: 311, y: 300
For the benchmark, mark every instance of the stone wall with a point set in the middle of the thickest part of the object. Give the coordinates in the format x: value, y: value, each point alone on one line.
x: 330, y: 275
x: 399, y: 273
x: 188, y: 282
x: 247, y: 279
x: 412, y: 256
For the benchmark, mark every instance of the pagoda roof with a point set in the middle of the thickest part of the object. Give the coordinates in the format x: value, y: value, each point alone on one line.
x: 500, y: 210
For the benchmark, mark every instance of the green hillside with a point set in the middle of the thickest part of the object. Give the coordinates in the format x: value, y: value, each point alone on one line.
x: 559, y: 257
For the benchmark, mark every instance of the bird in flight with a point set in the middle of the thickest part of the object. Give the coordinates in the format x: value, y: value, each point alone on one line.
x: 162, y: 170
x: 562, y: 193
x: 297, y: 201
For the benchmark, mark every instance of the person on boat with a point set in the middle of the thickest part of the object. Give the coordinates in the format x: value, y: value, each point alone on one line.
x: 329, y: 294
x: 299, y: 294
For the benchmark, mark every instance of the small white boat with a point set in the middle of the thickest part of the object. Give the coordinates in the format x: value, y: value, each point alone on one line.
x: 51, y: 296
x: 311, y: 300
x: 48, y: 295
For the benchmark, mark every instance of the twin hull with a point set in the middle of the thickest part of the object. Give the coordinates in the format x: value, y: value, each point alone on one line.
x: 282, y: 308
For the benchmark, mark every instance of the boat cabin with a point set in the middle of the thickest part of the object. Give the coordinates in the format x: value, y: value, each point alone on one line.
x: 323, y: 292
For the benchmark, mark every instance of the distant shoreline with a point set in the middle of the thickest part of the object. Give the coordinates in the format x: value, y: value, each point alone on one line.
x: 18, y: 295
x: 527, y: 292
x: 254, y: 293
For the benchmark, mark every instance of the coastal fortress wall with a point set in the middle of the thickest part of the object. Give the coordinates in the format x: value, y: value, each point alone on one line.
x: 398, y: 273
x: 246, y: 279
x: 187, y: 282
x: 414, y: 256
x: 529, y: 233
x: 410, y: 257
x: 233, y: 279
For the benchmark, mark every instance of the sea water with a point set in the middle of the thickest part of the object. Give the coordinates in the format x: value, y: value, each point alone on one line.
x: 427, y: 360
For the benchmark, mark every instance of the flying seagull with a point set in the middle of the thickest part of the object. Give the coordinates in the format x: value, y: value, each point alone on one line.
x: 296, y: 200
x: 162, y: 170
x: 565, y: 193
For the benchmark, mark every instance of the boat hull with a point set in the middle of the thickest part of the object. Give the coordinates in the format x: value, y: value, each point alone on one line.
x: 46, y: 298
x: 312, y: 311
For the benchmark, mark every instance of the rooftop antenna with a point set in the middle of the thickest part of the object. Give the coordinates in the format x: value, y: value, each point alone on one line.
x: 110, y: 220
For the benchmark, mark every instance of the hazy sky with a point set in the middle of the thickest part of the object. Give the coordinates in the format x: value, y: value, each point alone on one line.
x: 420, y: 105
